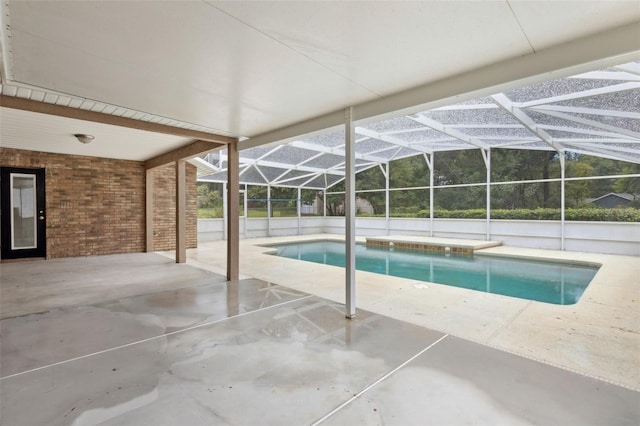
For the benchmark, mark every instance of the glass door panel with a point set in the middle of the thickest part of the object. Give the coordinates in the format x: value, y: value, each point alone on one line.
x: 23, y: 211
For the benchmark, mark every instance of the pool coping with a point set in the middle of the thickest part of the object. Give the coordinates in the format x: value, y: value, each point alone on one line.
x: 479, y: 249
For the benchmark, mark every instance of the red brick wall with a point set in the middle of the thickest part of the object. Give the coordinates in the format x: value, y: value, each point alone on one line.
x: 164, y: 207
x: 96, y: 206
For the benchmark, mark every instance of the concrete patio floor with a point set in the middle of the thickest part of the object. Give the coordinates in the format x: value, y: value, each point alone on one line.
x: 137, y: 339
x: 599, y: 336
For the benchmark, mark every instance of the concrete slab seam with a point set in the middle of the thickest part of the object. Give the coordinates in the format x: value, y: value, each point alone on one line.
x: 508, y: 322
x: 381, y: 379
x: 152, y: 338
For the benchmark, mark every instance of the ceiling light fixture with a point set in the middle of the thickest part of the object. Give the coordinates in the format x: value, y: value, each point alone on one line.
x: 82, y: 138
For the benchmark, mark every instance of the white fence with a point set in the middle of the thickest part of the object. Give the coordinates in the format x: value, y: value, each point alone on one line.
x: 594, y: 237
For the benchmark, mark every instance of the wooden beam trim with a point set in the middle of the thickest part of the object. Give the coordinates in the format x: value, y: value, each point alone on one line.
x: 183, y: 153
x: 112, y: 120
x: 149, y: 211
x: 181, y: 212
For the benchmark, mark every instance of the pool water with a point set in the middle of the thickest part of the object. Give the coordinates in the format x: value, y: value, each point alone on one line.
x: 550, y: 282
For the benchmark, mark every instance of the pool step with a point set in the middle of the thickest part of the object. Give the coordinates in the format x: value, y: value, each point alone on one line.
x: 443, y: 245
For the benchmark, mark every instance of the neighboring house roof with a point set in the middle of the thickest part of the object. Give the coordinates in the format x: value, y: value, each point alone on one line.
x: 625, y: 196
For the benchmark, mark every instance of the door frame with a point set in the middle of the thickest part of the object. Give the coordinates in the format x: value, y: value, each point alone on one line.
x: 7, y: 252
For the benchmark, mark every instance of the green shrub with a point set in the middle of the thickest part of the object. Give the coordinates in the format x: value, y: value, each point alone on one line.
x: 603, y: 215
x: 583, y: 214
x: 586, y: 214
x: 211, y: 213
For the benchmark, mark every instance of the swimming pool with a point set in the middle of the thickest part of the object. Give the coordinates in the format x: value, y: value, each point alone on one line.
x: 550, y: 282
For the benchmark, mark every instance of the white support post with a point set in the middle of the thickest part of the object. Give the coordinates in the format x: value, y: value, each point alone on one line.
x: 225, y: 213
x: 562, y: 201
x: 386, y: 197
x: 486, y: 155
x: 268, y: 210
x: 350, y: 215
x: 324, y: 202
x: 245, y: 198
x: 299, y: 205
x: 429, y: 161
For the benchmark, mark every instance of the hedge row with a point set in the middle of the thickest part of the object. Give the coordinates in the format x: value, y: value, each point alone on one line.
x: 590, y: 215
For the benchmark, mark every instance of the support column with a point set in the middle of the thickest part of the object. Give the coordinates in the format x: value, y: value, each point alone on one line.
x: 225, y: 213
x: 324, y: 203
x: 268, y: 210
x: 149, y: 211
x: 299, y: 208
x: 429, y: 161
x: 233, y: 217
x: 562, y: 204
x: 486, y: 155
x: 350, y: 214
x: 386, y: 197
x: 181, y: 212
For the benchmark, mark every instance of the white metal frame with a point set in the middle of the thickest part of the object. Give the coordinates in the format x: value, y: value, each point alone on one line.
x: 584, y: 130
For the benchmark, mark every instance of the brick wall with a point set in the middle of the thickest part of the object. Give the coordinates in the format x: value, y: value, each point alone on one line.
x: 96, y: 206
x: 164, y: 207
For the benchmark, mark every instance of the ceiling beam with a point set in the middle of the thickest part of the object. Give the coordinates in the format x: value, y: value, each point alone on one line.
x: 449, y: 131
x: 112, y: 120
x: 335, y: 150
x: 597, y: 151
x: 505, y: 103
x: 580, y: 131
x: 579, y: 95
x: 384, y: 138
x: 183, y: 153
x: 631, y: 68
x: 593, y: 123
x: 607, y: 75
x: 587, y: 111
x: 284, y: 166
x: 284, y: 179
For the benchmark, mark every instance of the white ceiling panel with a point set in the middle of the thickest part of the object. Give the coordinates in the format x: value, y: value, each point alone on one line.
x: 547, y: 23
x: 47, y: 133
x: 389, y: 46
x: 184, y: 60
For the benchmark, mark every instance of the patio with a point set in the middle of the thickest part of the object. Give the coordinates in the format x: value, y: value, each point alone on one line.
x: 318, y: 118
x: 196, y: 350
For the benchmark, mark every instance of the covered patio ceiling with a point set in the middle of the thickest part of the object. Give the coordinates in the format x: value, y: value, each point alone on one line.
x: 595, y: 113
x: 269, y: 72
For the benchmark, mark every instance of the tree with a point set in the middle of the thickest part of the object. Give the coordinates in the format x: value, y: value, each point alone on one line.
x: 208, y: 196
x: 578, y: 191
x: 630, y: 185
x: 519, y: 165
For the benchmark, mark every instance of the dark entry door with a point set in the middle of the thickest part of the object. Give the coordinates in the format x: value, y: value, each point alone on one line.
x: 23, y: 221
